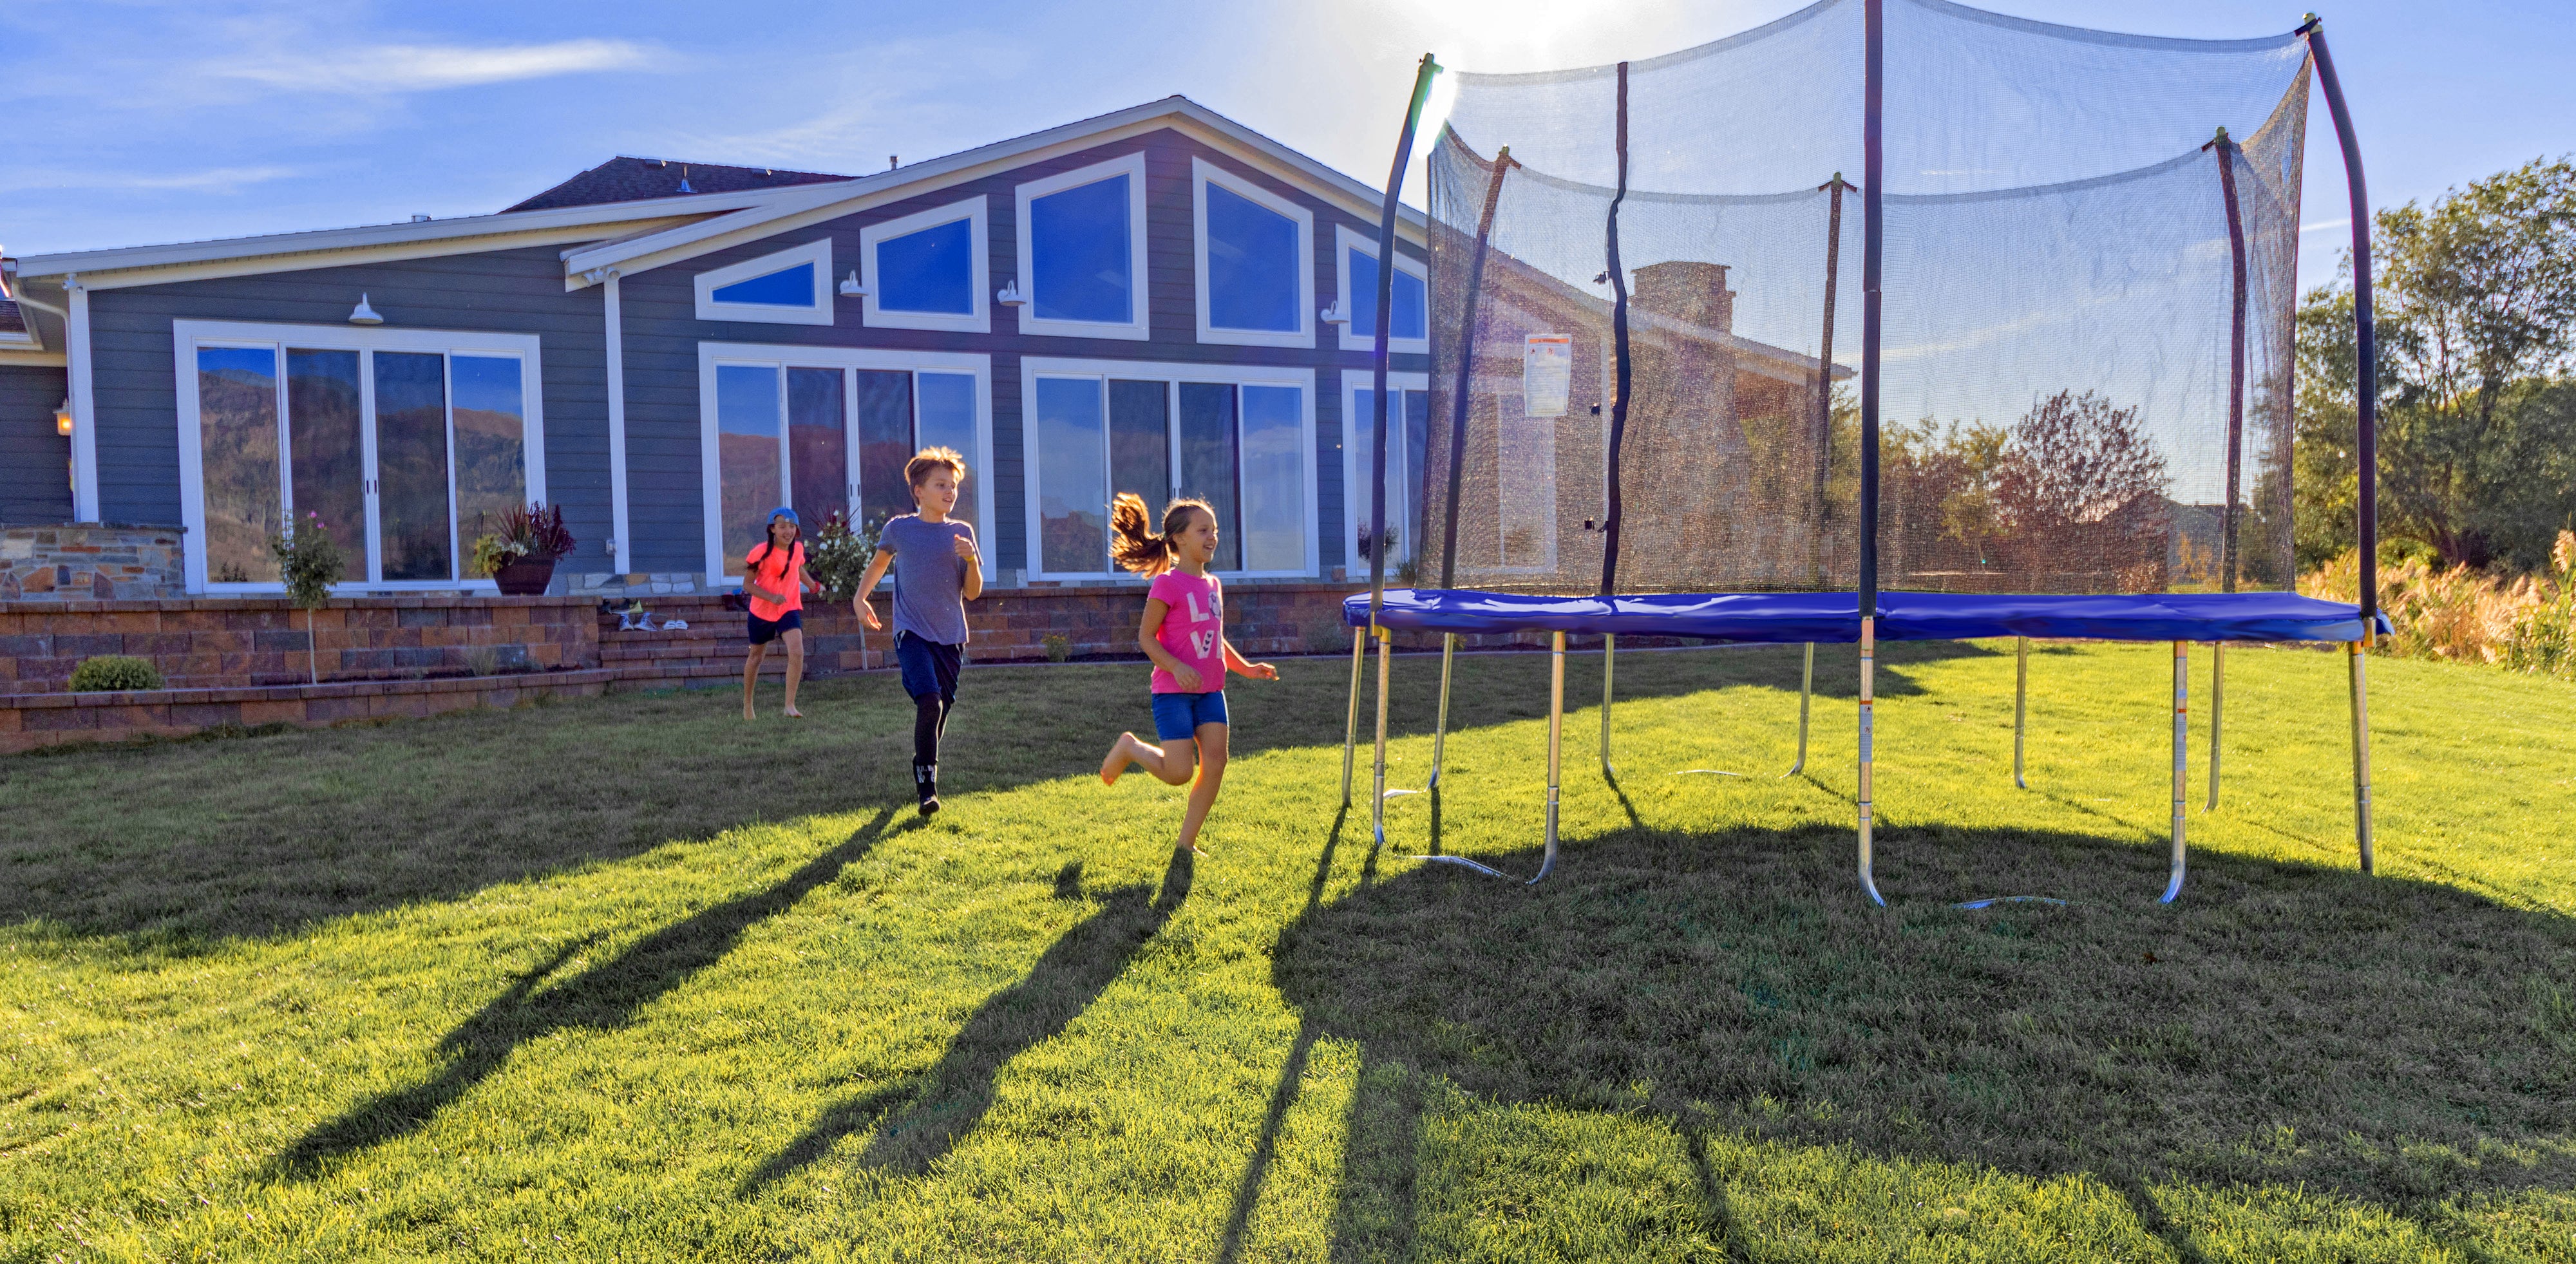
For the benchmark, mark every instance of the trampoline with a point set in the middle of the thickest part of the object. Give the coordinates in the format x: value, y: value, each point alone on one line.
x: 2076, y: 285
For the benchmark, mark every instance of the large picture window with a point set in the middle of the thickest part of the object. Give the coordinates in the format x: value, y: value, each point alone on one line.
x: 828, y: 430
x: 1238, y: 437
x: 1355, y: 265
x: 928, y: 270
x: 1082, y: 252
x: 1408, y: 439
x: 1255, y: 257
x: 406, y: 443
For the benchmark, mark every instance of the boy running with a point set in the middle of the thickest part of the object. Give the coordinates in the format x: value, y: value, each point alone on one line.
x: 936, y: 572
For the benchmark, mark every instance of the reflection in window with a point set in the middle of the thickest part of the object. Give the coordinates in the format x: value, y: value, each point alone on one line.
x: 237, y: 435
x: 491, y: 440
x: 1404, y: 458
x: 790, y: 287
x: 411, y: 465
x: 1209, y: 467
x: 818, y: 450
x: 929, y: 271
x: 325, y: 462
x: 1274, y: 485
x: 1412, y: 304
x: 947, y: 416
x: 1082, y: 268
x: 748, y: 477
x: 1073, y: 475
x: 1252, y: 264
x: 885, y: 443
x: 1140, y: 443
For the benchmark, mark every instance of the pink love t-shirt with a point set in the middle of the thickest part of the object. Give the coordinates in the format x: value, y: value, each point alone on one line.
x: 1193, y: 628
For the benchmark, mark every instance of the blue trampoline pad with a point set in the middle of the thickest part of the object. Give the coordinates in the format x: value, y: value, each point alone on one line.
x: 1903, y: 616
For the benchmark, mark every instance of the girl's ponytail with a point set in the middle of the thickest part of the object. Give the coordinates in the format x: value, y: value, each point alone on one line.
x: 1132, y: 543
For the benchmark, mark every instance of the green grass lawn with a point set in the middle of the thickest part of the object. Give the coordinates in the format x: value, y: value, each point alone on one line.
x: 629, y: 979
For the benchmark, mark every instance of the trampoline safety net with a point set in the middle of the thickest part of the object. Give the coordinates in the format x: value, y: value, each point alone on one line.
x: 2087, y: 293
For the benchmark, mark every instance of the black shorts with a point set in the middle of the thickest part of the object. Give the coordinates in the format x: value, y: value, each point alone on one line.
x: 929, y: 668
x: 763, y: 631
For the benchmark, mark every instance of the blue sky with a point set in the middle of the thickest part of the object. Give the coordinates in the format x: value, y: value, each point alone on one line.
x: 137, y: 121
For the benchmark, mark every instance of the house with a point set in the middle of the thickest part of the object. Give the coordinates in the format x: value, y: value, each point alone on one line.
x: 1158, y: 300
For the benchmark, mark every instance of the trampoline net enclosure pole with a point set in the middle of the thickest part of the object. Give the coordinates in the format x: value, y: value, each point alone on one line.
x: 1555, y: 746
x: 1868, y: 652
x: 2181, y: 749
x: 2217, y: 715
x: 1459, y: 398
x: 1377, y: 805
x: 1351, y: 726
x: 2361, y: 751
x: 1624, y: 380
x: 1609, y: 661
x: 1873, y: 225
x: 2021, y: 705
x: 1440, y: 729
x: 1377, y: 467
x: 2230, y: 515
x: 1806, y: 695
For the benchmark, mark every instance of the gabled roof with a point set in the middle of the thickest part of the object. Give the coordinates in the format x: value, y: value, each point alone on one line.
x: 795, y: 208
x: 633, y: 236
x: 626, y: 179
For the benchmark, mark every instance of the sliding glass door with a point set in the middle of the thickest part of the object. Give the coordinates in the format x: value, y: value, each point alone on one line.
x: 404, y: 444
x: 1236, y: 437
x: 829, y: 431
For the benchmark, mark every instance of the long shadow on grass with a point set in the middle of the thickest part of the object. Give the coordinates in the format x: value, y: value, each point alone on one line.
x: 180, y: 844
x: 922, y: 1118
x: 2395, y: 1041
x: 605, y: 996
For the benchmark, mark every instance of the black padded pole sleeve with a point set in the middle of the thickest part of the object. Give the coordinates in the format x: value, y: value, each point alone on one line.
x: 1467, y: 367
x: 1386, y: 322
x: 1619, y: 342
x: 2231, y: 518
x: 1873, y: 238
x: 2365, y: 339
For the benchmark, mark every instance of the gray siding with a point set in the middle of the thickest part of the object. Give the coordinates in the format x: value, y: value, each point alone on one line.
x: 515, y: 291
x: 522, y: 291
x: 35, y: 462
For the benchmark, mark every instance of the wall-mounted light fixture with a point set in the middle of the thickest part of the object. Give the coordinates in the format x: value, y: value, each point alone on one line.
x: 63, y: 416
x: 850, y: 287
x: 364, y: 315
x: 1337, y: 314
x: 1010, y: 295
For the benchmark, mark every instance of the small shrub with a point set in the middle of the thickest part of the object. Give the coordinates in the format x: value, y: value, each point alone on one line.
x: 2525, y: 623
x: 1059, y: 648
x: 839, y: 554
x: 307, y: 561
x: 1327, y: 636
x: 115, y: 673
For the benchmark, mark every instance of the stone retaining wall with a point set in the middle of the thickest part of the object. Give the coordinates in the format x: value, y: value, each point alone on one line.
x: 90, y: 562
x: 28, y: 721
x: 254, y: 641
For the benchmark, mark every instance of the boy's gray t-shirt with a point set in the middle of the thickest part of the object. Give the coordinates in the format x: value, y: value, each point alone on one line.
x: 929, y: 577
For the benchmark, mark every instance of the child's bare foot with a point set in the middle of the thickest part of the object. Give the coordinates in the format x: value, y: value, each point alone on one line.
x: 746, y: 712
x: 794, y: 714
x: 1116, y: 764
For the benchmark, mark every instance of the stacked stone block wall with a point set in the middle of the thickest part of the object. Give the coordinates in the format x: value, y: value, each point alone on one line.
x: 90, y: 562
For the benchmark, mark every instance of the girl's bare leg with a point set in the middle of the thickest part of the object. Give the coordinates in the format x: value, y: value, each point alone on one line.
x: 795, y: 639
x: 1211, y: 744
x: 751, y: 675
x: 1170, y: 765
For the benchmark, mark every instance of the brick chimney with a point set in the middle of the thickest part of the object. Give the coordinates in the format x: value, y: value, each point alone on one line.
x: 1693, y: 292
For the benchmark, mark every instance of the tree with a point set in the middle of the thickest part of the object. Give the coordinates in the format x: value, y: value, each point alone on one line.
x: 2079, y: 487
x: 2476, y: 324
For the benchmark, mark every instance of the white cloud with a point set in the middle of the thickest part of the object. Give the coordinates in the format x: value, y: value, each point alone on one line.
x: 214, y: 180
x: 389, y: 68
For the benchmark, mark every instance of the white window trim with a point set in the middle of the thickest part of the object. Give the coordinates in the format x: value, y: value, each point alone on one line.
x: 1344, y: 242
x: 1139, y: 270
x: 186, y: 336
x: 1355, y: 463
x: 1204, y: 173
x: 979, y: 282
x: 1033, y: 367
x: 776, y: 355
x: 817, y: 252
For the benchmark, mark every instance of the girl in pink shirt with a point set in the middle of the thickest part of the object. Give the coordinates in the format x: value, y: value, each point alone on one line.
x: 1184, y: 633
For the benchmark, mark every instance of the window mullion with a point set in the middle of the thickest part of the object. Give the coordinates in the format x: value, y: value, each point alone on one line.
x: 367, y: 459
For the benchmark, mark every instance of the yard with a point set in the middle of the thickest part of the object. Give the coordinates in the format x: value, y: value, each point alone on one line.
x: 629, y: 979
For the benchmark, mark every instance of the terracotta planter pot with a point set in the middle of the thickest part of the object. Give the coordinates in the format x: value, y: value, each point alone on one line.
x: 525, y: 579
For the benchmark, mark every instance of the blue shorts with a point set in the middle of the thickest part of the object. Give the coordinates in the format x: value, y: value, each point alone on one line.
x: 763, y: 631
x: 1179, y: 715
x: 929, y: 668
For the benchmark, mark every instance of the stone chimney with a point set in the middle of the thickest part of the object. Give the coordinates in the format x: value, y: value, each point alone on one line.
x: 1693, y: 292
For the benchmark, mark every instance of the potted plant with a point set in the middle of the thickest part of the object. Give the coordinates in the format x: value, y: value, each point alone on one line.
x: 309, y: 563
x: 839, y: 554
x: 520, y: 555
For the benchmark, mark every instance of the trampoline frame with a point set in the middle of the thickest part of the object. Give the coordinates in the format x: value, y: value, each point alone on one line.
x: 2320, y: 62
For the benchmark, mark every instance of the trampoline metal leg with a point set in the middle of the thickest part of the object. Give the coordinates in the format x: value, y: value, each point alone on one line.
x: 1440, y: 732
x: 2360, y: 752
x: 2217, y: 715
x: 1555, y: 748
x: 2021, y: 705
x: 2181, y: 749
x: 1351, y: 727
x: 1806, y: 694
x: 1868, y: 657
x: 1609, y: 661
x: 1377, y: 798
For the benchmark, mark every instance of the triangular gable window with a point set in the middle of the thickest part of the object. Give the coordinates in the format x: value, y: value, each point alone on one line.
x: 787, y: 287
